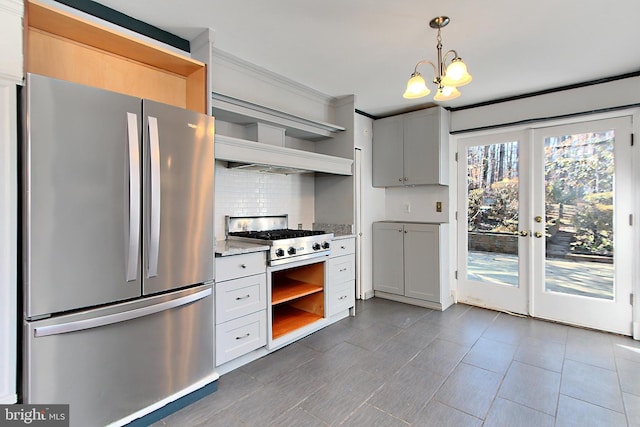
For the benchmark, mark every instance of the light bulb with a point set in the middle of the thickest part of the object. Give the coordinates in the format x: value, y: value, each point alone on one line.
x: 416, y: 87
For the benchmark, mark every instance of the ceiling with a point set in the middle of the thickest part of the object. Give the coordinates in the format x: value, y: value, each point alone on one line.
x: 369, y: 48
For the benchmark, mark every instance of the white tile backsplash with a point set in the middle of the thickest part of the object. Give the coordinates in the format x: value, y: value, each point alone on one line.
x: 239, y: 192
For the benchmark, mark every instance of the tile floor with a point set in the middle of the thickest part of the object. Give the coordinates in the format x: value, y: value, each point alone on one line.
x: 399, y: 365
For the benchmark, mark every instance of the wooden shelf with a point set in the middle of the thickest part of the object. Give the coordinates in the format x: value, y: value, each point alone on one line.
x: 287, y: 319
x: 288, y: 289
x: 64, y: 46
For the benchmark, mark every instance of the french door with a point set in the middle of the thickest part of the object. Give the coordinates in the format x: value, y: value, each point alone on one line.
x: 540, y: 213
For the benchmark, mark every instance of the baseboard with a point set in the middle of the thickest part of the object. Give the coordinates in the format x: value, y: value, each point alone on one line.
x: 8, y: 399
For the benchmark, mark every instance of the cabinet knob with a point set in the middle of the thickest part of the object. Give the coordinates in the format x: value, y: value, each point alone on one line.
x: 405, y: 179
x: 400, y: 179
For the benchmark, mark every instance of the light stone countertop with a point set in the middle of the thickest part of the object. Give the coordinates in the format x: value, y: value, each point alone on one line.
x: 236, y: 247
x: 343, y: 236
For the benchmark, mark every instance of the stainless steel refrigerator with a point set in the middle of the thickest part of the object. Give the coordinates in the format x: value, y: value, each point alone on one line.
x: 117, y: 251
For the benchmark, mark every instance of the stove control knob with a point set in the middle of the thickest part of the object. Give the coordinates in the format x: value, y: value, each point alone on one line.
x: 316, y: 246
x: 279, y: 252
x: 325, y: 245
x: 291, y: 251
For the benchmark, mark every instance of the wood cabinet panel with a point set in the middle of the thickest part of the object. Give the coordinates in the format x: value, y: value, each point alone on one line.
x: 388, y: 258
x: 64, y: 46
x: 411, y: 149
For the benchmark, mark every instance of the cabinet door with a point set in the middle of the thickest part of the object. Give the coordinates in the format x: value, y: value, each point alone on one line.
x: 388, y: 268
x: 388, y: 169
x: 421, y: 261
x: 422, y: 156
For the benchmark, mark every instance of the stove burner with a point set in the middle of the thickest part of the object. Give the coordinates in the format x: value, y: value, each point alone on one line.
x: 276, y: 234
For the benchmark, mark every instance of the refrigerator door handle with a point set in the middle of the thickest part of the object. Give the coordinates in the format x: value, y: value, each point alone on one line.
x: 109, y: 319
x: 133, y: 247
x: 154, y: 220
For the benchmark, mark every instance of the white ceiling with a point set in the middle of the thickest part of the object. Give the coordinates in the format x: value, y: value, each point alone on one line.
x: 369, y: 47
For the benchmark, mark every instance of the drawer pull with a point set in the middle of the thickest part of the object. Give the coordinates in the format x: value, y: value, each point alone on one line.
x: 243, y: 265
x: 343, y: 269
x: 244, y: 297
x: 342, y: 297
x: 343, y: 247
x: 244, y: 336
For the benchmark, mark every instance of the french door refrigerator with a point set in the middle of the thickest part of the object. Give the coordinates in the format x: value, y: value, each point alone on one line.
x: 117, y: 251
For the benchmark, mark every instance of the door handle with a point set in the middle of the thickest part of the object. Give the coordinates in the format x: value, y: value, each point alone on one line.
x: 109, y: 319
x: 134, y: 197
x: 154, y: 220
x: 538, y: 234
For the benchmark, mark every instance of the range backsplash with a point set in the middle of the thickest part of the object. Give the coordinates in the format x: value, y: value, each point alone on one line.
x: 247, y: 193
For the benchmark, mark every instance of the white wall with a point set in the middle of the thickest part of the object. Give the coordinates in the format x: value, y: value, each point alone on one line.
x: 417, y: 203
x: 241, y: 193
x: 372, y: 203
x: 613, y: 94
x: 10, y: 75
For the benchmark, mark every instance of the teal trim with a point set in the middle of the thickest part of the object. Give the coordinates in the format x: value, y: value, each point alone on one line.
x: 126, y: 21
x: 174, y: 406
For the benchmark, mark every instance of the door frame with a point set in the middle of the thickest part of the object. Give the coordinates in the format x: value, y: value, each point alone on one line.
x: 454, y: 189
x: 513, y: 299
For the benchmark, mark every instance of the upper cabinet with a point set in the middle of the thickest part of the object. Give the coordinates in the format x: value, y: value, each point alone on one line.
x: 411, y: 149
x: 66, y: 47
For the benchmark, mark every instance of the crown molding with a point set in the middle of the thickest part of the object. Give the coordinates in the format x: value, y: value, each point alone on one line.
x: 225, y: 58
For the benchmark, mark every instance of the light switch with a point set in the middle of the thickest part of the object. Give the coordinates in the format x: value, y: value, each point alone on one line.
x: 438, y: 206
x: 407, y: 207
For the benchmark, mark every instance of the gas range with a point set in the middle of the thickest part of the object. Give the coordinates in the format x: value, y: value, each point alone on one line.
x: 287, y: 245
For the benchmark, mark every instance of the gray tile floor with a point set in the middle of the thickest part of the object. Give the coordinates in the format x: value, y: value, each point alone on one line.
x: 398, y: 365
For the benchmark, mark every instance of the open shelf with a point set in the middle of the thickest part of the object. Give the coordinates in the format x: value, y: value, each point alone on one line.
x: 287, y: 319
x: 297, y: 298
x: 67, y: 47
x: 291, y: 289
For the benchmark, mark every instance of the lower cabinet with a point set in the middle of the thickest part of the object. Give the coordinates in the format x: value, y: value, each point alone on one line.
x: 241, y: 305
x: 342, y: 276
x: 410, y: 263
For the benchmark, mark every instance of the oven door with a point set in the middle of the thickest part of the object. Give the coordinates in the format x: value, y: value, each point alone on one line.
x: 296, y: 297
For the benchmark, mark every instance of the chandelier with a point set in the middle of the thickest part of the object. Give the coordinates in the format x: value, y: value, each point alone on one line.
x: 448, y: 78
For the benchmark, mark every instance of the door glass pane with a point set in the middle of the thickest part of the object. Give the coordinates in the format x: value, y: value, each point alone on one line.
x: 492, y: 194
x: 579, y: 194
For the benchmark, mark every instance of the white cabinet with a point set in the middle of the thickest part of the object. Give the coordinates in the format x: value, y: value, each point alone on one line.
x: 241, y: 305
x: 342, y: 276
x: 410, y: 263
x: 411, y: 149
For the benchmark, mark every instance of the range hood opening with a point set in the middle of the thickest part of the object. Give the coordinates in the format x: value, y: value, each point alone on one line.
x: 264, y: 168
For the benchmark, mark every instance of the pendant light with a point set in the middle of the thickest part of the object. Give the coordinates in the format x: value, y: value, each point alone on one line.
x: 447, y: 78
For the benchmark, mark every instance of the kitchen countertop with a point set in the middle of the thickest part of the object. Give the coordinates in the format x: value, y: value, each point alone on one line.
x: 343, y: 236
x: 236, y: 247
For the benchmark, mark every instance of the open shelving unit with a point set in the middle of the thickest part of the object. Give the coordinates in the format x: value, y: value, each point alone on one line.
x: 297, y: 298
x: 67, y: 47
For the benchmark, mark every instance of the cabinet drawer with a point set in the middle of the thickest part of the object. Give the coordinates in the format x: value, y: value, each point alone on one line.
x: 343, y: 247
x: 240, y: 336
x: 342, y: 268
x: 239, y: 297
x: 234, y: 266
x: 342, y: 297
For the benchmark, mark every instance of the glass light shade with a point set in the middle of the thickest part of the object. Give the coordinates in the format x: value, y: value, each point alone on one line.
x: 446, y: 93
x: 456, y: 74
x: 416, y: 87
